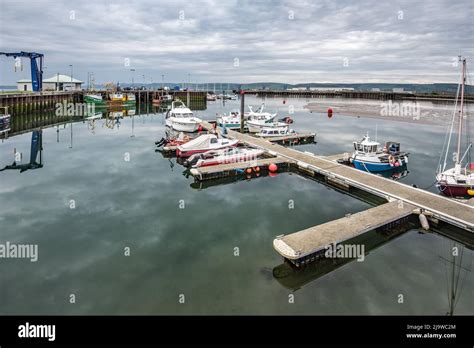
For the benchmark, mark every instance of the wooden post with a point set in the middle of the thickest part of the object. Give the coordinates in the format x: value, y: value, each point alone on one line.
x: 242, y: 110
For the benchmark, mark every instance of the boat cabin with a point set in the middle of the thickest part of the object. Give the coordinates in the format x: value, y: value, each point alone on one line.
x: 366, y: 146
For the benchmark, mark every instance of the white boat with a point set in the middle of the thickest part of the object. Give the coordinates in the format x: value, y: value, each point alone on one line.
x: 277, y: 131
x: 259, y: 113
x: 229, y: 155
x: 211, y: 97
x: 457, y: 181
x: 368, y: 156
x: 231, y: 121
x: 257, y: 125
x: 181, y: 118
x: 204, y: 143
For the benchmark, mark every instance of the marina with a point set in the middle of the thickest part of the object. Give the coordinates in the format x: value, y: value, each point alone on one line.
x: 177, y: 164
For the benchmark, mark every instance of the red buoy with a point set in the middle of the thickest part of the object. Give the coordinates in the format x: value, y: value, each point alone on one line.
x: 273, y: 168
x: 329, y: 112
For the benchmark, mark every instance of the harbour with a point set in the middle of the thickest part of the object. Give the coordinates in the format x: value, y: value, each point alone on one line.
x: 256, y: 159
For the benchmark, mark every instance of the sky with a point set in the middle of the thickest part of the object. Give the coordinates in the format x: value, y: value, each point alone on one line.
x: 239, y: 41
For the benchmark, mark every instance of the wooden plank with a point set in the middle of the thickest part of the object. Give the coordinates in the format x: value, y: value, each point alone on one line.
x: 309, y: 241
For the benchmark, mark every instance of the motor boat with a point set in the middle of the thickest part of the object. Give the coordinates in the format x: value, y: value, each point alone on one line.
x: 457, y: 181
x: 276, y: 131
x: 368, y: 156
x: 229, y: 155
x: 180, y: 118
x: 257, y: 123
x: 231, y: 121
x: 259, y: 112
x: 204, y: 143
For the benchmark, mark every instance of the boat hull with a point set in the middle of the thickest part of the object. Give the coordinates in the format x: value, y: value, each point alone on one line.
x: 455, y: 190
x: 182, y: 127
x: 189, y: 153
x: 372, y: 166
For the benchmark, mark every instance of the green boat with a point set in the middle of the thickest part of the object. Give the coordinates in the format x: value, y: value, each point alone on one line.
x: 95, y: 99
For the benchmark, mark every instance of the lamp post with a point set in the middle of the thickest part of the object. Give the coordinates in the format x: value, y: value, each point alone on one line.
x: 132, y: 70
x: 71, y: 71
x: 162, y: 81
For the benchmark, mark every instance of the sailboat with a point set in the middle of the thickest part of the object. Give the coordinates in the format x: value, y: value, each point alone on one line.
x: 457, y: 181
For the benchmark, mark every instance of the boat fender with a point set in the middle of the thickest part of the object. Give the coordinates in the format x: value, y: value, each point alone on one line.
x: 391, y: 160
x: 406, y: 159
x: 470, y: 192
x: 248, y: 170
x: 424, y: 222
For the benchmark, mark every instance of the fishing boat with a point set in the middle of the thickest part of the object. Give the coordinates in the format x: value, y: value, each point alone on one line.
x: 457, y: 181
x: 180, y: 118
x: 368, y: 156
x: 129, y: 98
x: 229, y: 155
x: 257, y: 123
x: 204, y: 143
x: 259, y: 112
x: 93, y: 98
x: 115, y: 97
x: 231, y: 121
x: 275, y: 131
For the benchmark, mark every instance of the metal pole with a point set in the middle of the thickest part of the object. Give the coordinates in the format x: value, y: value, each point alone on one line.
x: 463, y: 80
x: 242, y: 110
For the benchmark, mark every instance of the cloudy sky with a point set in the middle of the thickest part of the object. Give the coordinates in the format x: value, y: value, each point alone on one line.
x: 241, y: 41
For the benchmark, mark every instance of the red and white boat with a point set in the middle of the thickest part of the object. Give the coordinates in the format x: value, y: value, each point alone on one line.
x: 457, y: 181
x: 229, y: 155
x: 204, y: 143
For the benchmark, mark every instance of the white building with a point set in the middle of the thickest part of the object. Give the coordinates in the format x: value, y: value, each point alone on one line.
x: 56, y: 83
x: 332, y: 89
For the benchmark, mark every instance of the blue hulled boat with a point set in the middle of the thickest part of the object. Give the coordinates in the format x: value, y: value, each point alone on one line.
x: 368, y: 156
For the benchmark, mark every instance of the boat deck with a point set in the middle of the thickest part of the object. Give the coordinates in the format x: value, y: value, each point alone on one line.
x: 298, y: 245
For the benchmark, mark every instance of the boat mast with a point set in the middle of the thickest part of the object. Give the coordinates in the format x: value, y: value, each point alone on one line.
x: 463, y: 79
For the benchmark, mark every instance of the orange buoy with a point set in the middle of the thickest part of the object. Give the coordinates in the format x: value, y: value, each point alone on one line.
x: 470, y: 192
x: 248, y: 170
x: 329, y: 112
x: 273, y: 168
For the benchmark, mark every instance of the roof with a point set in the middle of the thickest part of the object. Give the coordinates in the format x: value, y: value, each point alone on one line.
x: 54, y: 79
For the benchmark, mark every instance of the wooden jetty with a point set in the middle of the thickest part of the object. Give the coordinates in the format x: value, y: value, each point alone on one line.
x: 307, y: 245
x: 437, y: 207
x: 232, y: 169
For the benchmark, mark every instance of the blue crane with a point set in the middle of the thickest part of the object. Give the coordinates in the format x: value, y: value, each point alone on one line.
x: 36, y: 70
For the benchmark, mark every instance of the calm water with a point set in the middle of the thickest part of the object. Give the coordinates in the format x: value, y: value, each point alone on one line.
x: 136, y: 204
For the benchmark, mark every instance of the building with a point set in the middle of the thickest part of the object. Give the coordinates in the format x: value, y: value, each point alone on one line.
x: 56, y: 83
x: 332, y: 89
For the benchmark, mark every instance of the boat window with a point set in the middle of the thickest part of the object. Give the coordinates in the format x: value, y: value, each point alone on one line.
x: 365, y: 148
x: 355, y: 146
x: 213, y: 141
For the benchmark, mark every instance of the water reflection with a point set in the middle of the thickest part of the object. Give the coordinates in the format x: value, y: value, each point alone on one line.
x: 36, y: 150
